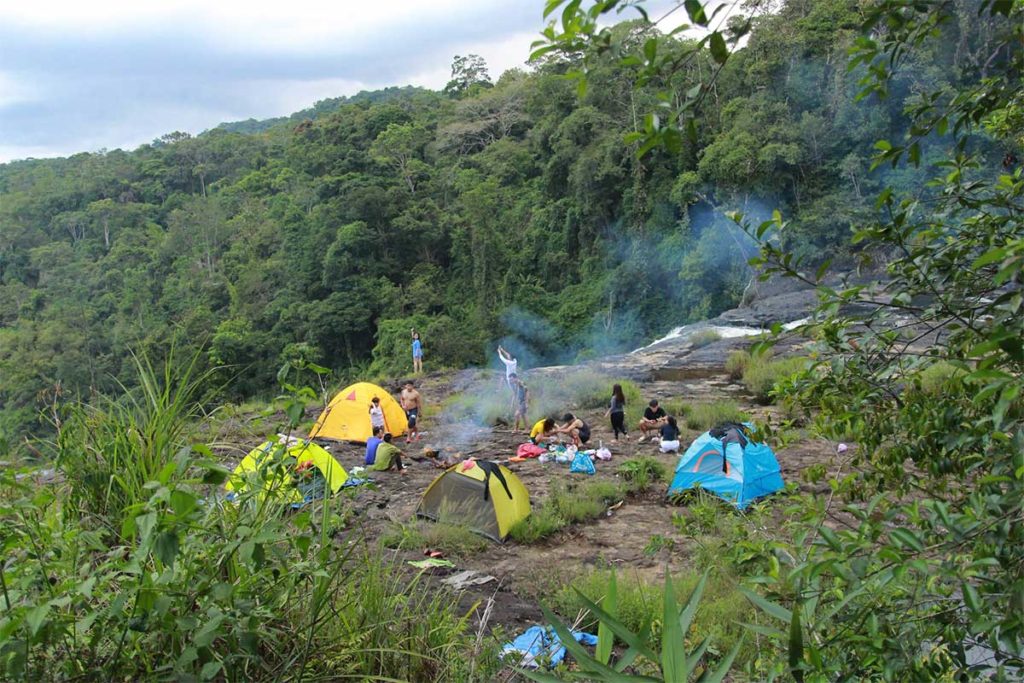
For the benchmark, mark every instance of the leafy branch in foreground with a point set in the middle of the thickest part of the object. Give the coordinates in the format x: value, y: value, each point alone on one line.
x: 927, y: 580
x: 920, y: 574
x: 579, y: 31
x: 673, y: 662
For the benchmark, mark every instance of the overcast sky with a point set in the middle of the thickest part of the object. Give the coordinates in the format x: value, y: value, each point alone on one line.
x: 83, y: 76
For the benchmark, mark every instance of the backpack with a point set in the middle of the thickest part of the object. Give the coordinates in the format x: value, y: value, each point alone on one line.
x: 731, y: 432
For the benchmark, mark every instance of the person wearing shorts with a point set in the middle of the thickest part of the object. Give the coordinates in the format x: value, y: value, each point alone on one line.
x: 520, y: 402
x: 411, y: 403
x: 417, y: 353
x: 654, y: 419
x: 576, y: 428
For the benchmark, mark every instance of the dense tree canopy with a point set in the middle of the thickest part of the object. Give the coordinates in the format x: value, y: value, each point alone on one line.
x: 510, y: 209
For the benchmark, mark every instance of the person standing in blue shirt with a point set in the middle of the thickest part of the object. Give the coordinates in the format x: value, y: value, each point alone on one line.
x: 417, y: 353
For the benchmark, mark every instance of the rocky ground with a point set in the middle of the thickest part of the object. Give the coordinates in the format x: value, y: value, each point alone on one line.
x: 621, y: 538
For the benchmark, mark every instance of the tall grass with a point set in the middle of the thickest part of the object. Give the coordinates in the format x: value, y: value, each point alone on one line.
x: 567, y: 504
x: 939, y: 377
x: 723, y: 609
x: 704, y: 416
x: 192, y: 587
x: 762, y: 375
x: 641, y: 472
x: 446, y: 535
x: 703, y: 338
x: 109, y: 451
x: 736, y: 363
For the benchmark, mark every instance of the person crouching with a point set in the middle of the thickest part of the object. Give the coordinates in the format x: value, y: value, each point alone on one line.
x: 388, y: 457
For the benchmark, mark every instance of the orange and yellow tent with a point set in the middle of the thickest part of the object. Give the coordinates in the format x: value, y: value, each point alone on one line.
x: 347, y: 416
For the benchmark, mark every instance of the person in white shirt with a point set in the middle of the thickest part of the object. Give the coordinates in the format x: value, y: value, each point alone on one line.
x: 511, y: 365
x: 376, y: 413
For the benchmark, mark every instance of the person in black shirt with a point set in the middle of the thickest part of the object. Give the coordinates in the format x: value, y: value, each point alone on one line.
x: 576, y: 428
x: 654, y: 418
x: 670, y: 435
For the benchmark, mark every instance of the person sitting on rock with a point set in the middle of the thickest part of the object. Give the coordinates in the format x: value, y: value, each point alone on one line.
x: 372, y: 444
x: 576, y: 428
x: 388, y: 457
x: 654, y: 418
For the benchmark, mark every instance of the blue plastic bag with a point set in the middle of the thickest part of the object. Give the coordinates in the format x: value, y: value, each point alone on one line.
x: 539, y: 643
x: 582, y: 464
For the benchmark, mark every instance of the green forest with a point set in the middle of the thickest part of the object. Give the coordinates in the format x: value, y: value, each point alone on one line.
x: 162, y: 309
x: 505, y: 208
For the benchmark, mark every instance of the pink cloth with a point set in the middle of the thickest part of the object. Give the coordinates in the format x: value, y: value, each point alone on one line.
x: 529, y: 450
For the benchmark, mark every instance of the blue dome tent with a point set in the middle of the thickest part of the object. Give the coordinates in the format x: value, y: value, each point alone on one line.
x: 726, y: 462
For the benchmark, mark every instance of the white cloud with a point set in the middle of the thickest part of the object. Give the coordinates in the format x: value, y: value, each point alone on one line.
x: 84, y: 76
x: 14, y: 90
x: 241, y: 24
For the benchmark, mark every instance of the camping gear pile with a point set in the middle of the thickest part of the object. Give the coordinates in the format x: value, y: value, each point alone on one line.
x: 580, y: 462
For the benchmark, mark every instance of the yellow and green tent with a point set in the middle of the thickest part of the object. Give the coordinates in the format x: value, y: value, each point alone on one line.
x: 282, y: 469
x: 485, y: 496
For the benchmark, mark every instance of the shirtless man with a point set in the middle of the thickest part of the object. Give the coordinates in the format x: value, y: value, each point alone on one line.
x: 412, y: 402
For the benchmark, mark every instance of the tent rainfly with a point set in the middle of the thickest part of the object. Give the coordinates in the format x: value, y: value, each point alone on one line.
x: 296, y: 472
x: 347, y: 416
x: 726, y: 462
x: 485, y: 496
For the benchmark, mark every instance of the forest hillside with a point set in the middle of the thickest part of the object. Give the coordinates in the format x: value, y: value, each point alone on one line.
x: 503, y: 208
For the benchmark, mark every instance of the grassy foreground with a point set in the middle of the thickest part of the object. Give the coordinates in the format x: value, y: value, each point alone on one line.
x: 136, y: 568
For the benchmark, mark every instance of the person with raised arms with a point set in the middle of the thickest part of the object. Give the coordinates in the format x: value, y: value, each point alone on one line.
x: 511, y: 364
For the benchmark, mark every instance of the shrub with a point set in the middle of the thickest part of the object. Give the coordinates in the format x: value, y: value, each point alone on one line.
x: 938, y: 378
x: 589, y: 389
x: 736, y: 363
x: 676, y: 407
x: 565, y: 505
x: 189, y: 586
x: 211, y: 590
x: 640, y: 472
x: 762, y: 374
x: 706, y: 415
x: 702, y: 338
x: 488, y: 408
